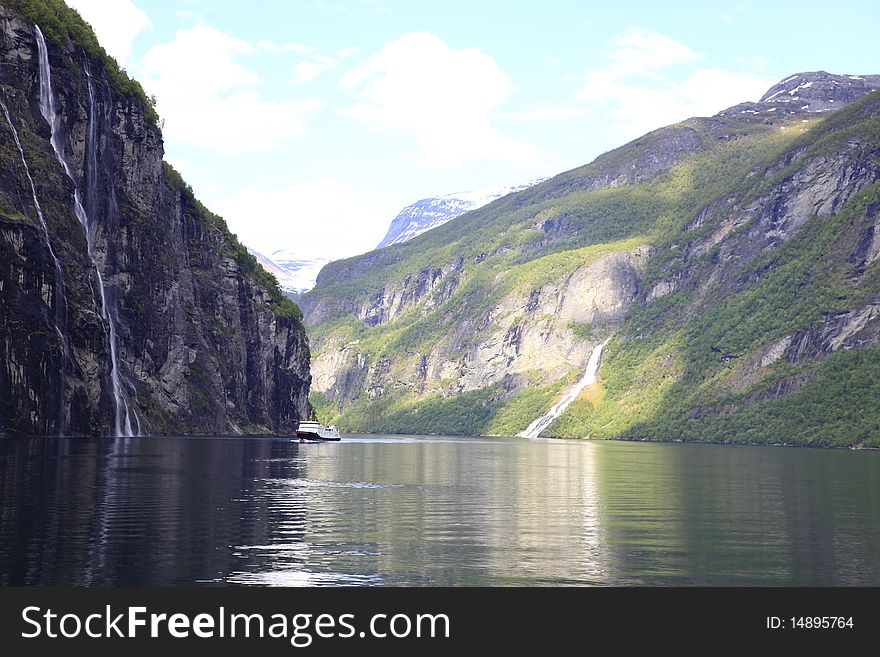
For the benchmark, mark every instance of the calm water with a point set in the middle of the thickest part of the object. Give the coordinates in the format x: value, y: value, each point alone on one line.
x: 445, y: 511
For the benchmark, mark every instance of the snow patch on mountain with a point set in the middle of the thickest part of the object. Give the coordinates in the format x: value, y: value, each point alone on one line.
x: 295, y: 273
x: 429, y: 213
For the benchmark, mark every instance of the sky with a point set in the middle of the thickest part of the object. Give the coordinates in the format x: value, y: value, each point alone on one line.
x: 309, y: 124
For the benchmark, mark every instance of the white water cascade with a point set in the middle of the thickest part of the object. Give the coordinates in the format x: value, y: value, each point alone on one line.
x: 590, y: 376
x: 61, y: 295
x: 123, y: 423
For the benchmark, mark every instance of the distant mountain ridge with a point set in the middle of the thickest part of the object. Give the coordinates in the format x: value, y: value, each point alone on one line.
x: 294, y: 273
x: 814, y: 91
x: 434, y: 211
x: 297, y: 274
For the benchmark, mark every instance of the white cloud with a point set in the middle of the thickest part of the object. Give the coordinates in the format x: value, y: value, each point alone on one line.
x: 116, y: 23
x: 309, y: 70
x: 353, y: 8
x: 291, y: 46
x: 349, y: 51
x: 547, y: 114
x: 651, y: 80
x: 445, y: 97
x: 301, y: 217
x: 377, y: 7
x: 639, y: 50
x: 204, y: 49
x: 211, y: 100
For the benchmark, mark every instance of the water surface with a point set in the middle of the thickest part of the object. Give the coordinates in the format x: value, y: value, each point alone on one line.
x: 441, y: 511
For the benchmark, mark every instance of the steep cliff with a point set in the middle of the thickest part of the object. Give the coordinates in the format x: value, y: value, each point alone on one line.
x: 126, y: 305
x: 731, y: 259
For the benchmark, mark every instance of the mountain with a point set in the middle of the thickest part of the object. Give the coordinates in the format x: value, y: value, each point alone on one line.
x: 431, y: 212
x: 732, y: 261
x: 816, y: 91
x: 294, y: 275
x: 297, y: 273
x: 285, y: 281
x: 126, y: 306
x: 300, y: 271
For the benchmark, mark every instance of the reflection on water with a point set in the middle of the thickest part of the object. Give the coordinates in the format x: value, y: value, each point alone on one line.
x: 442, y: 511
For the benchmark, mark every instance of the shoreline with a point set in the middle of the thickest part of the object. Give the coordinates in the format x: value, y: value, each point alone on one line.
x: 852, y: 448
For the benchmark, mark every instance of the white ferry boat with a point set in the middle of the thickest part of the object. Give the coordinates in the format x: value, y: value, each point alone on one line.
x: 310, y: 430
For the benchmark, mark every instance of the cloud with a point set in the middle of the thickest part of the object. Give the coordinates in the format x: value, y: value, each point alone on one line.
x: 291, y: 46
x: 353, y: 8
x: 349, y: 51
x: 547, y: 114
x: 650, y: 80
x: 300, y: 218
x: 445, y: 97
x: 209, y: 99
x: 639, y: 50
x: 116, y: 23
x: 309, y: 70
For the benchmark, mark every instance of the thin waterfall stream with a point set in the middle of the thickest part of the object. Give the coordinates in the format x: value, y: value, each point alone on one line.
x: 590, y: 376
x: 60, y: 292
x: 123, y: 416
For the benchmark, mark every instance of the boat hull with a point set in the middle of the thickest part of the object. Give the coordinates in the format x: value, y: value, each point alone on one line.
x: 310, y: 435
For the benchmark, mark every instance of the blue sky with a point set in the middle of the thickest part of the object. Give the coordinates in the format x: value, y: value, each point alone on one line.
x: 309, y: 124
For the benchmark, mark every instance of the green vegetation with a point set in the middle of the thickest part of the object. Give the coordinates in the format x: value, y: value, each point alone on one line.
x: 326, y: 410
x: 281, y: 305
x: 58, y: 22
x: 458, y: 415
x: 519, y: 411
x: 582, y: 329
x: 837, y: 406
x: 575, y: 422
x: 480, y: 412
x: 8, y: 209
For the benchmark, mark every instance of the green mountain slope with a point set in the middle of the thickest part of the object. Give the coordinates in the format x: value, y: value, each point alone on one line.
x: 732, y: 259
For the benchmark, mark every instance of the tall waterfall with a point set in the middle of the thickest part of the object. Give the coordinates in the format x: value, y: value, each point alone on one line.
x: 123, y: 420
x: 60, y: 291
x: 590, y: 376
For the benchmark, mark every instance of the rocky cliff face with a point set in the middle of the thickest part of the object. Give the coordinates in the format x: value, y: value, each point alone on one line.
x: 731, y: 259
x: 524, y: 337
x: 200, y: 344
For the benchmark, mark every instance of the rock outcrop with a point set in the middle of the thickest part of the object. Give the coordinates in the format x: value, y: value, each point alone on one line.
x: 528, y: 336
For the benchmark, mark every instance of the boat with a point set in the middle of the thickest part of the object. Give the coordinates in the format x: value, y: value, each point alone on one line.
x: 311, y: 430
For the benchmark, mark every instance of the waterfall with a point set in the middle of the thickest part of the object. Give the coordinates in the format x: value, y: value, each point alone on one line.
x: 590, y: 376
x: 91, y: 181
x: 60, y: 293
x: 47, y: 108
